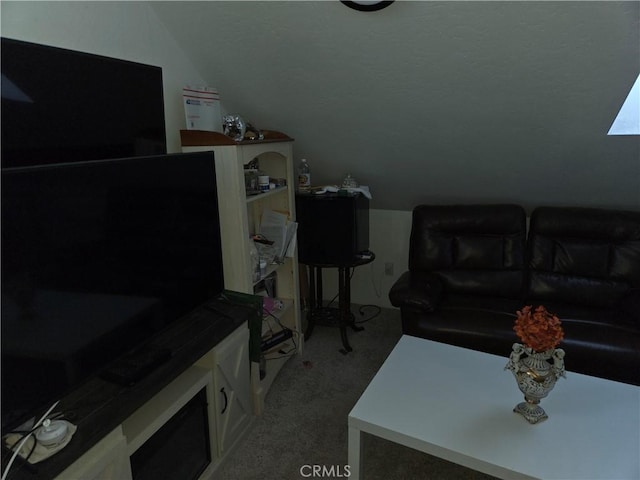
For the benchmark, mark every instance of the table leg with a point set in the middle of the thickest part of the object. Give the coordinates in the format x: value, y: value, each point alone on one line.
x: 347, y: 294
x: 319, y: 293
x: 312, y: 303
x: 355, y: 453
x: 344, y: 306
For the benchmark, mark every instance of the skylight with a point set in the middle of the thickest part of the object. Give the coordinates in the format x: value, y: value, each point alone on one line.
x: 628, y: 120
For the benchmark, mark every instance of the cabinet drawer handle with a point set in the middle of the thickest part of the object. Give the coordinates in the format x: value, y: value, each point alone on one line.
x: 226, y: 401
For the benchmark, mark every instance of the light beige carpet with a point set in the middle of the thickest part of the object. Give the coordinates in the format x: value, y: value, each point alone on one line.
x: 305, y: 419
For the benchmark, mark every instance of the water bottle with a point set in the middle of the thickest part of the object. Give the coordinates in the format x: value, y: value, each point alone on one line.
x: 304, y: 176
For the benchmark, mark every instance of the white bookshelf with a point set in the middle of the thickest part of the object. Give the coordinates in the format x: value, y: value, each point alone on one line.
x: 240, y: 216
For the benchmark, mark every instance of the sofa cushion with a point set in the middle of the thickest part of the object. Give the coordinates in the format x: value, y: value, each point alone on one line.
x: 474, y: 248
x: 478, y: 251
x: 482, y: 282
x: 586, y: 256
x: 575, y: 289
x: 627, y: 310
x: 594, y: 345
x: 602, y: 349
x: 488, y: 328
x: 420, y: 291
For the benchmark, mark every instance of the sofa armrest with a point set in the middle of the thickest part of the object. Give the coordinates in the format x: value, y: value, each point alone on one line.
x: 628, y: 308
x: 420, y: 291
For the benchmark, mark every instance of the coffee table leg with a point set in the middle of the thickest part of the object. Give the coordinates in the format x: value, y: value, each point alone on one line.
x: 355, y: 451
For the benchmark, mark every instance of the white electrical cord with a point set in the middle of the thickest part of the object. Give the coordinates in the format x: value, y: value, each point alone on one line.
x: 24, y: 440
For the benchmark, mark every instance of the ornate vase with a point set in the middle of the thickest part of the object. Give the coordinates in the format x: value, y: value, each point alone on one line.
x: 536, y: 374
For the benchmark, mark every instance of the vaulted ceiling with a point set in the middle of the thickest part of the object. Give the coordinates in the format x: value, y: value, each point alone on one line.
x: 433, y: 101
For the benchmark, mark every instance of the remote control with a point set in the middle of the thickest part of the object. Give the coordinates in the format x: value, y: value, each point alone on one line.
x: 131, y: 368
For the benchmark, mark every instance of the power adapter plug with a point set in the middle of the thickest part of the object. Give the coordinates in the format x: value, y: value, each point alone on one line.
x: 51, y: 432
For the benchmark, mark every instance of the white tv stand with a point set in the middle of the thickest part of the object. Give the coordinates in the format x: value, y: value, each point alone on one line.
x: 223, y: 372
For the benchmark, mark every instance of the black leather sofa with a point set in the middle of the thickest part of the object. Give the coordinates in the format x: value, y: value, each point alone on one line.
x: 472, y: 266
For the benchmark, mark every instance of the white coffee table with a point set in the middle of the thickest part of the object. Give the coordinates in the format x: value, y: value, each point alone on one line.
x: 457, y: 404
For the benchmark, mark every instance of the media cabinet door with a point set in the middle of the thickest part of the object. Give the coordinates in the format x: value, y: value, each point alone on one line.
x: 232, y: 407
x: 232, y: 388
x: 106, y: 460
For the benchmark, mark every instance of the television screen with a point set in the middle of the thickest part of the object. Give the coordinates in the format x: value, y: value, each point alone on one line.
x: 97, y: 257
x: 60, y: 105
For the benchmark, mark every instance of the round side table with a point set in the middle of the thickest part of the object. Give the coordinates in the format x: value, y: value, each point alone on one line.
x: 340, y: 317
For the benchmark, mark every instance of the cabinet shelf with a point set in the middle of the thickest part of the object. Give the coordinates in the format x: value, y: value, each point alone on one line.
x: 271, y: 267
x: 275, y: 316
x: 203, y: 138
x: 261, y: 196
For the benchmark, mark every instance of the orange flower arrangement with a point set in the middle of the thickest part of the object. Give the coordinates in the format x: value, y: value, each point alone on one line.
x: 540, y: 330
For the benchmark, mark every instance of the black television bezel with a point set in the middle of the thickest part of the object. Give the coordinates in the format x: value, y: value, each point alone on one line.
x: 83, y: 125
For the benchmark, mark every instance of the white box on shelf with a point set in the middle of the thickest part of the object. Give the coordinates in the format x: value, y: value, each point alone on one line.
x: 202, y: 108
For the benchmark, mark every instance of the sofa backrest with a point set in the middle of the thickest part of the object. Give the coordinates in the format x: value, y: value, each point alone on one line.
x: 586, y: 256
x: 474, y: 248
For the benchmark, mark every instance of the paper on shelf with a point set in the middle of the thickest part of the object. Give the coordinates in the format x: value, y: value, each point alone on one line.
x: 271, y: 218
x: 293, y: 242
x: 363, y: 189
x: 202, y: 108
x: 276, y: 227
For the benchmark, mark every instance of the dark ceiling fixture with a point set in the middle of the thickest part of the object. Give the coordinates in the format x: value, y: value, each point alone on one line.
x: 367, y: 6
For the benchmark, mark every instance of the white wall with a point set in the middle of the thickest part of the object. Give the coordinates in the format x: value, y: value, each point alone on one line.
x: 390, y: 230
x: 126, y: 30
x: 434, y: 101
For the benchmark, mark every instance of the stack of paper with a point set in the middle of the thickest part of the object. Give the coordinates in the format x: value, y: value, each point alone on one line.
x: 277, y: 228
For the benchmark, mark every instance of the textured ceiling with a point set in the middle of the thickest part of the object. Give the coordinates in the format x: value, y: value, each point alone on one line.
x: 433, y: 101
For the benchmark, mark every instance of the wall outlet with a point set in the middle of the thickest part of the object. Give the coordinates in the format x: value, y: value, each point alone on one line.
x: 388, y: 268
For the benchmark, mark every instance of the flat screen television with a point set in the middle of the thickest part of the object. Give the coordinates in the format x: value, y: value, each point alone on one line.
x: 97, y: 258
x: 61, y: 105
